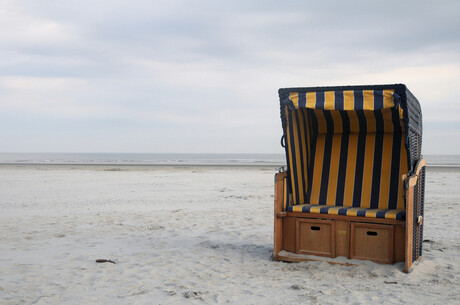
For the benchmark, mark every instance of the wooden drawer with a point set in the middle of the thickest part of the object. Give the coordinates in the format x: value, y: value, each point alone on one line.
x: 315, y: 236
x: 372, y: 242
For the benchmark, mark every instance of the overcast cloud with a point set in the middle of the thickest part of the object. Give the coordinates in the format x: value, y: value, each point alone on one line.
x: 202, y: 76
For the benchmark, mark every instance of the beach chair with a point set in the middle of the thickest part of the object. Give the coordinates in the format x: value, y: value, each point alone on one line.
x: 354, y: 183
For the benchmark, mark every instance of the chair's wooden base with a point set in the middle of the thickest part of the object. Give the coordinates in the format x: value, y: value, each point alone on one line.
x: 306, y: 234
x: 379, y: 240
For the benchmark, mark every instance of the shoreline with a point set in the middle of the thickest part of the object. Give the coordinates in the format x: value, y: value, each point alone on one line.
x: 139, y: 167
x: 120, y: 167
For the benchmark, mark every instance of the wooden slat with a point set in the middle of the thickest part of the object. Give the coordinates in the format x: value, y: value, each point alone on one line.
x: 342, y: 238
x: 289, y: 233
x: 420, y: 165
x: 398, y: 243
x: 409, y: 225
x: 348, y: 218
x: 278, y: 222
x: 409, y: 243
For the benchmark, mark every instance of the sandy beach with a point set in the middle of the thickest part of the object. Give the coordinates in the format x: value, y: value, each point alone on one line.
x: 199, y: 235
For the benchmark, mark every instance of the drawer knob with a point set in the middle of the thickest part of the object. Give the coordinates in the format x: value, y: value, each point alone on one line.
x: 371, y: 233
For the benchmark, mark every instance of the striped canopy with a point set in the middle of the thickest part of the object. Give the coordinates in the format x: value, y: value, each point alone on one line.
x: 345, y: 100
x: 346, y: 146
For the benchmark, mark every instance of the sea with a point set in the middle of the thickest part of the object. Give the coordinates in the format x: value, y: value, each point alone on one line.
x: 142, y: 159
x: 175, y: 159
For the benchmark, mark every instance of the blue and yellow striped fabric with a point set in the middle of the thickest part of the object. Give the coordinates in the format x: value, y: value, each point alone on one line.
x: 347, y: 100
x: 286, y: 198
x: 348, y: 211
x: 347, y: 149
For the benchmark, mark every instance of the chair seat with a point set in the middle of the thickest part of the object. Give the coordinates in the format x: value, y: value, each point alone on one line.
x: 348, y: 211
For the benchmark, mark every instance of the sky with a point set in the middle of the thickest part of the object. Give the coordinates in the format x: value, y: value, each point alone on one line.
x: 202, y: 76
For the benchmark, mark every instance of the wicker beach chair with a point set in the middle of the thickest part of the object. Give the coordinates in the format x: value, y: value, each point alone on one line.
x: 354, y: 184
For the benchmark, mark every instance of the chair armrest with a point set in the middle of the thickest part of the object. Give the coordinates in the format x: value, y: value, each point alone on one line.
x: 278, y: 213
x: 279, y: 192
x: 411, y: 223
x: 413, y: 178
